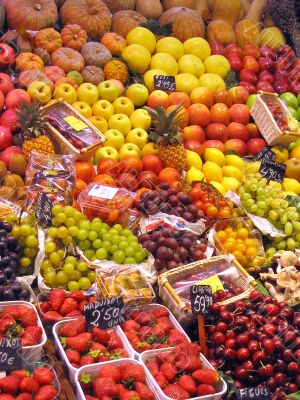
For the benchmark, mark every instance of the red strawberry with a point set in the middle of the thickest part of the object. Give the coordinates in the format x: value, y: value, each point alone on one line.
x: 24, y: 396
x: 204, y: 389
x: 129, y: 395
x: 188, y: 363
x: 45, y: 306
x: 73, y: 356
x: 6, y: 397
x: 31, y: 336
x: 92, y: 299
x: 209, y: 376
x: 119, y: 353
x: 88, y: 397
x: 74, y: 313
x: 98, y: 347
x: 145, y: 332
x: 6, y: 323
x: 29, y: 318
x: 47, y: 392
x: 52, y: 316
x: 79, y: 343
x: 152, y: 367
x: 114, y: 341
x: 103, y: 358
x: 164, y: 357
x: 21, y: 373
x: 101, y: 335
x: 10, y: 384
x: 105, y: 387
x: 67, y: 306
x: 176, y: 337
x: 160, y: 312
x: 161, y: 380
x: 132, y: 336
x: 129, y: 325
x: 144, y: 392
x: 56, y: 298
x: 141, y: 346
x: 169, y: 371
x: 73, y: 328
x: 165, y: 323
x: 187, y: 383
x: 187, y: 348
x: 11, y: 310
x: 81, y: 306
x: 159, y: 330
x: 87, y: 360
x: 29, y: 385
x: 132, y: 371
x: 142, y: 317
x: 86, y: 382
x: 176, y: 392
x: 43, y: 375
x: 77, y: 295
x: 110, y: 371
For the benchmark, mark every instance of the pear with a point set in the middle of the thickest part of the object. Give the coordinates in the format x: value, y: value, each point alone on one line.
x: 293, y: 169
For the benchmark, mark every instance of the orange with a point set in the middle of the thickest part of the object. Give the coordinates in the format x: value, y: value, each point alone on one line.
x: 242, y: 233
x: 241, y: 247
x: 250, y: 242
x: 237, y: 254
x: 228, y: 247
x: 222, y: 236
x: 251, y: 252
x: 228, y: 231
x: 85, y: 171
x: 169, y: 175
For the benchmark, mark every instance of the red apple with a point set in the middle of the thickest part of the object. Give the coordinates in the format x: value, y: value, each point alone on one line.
x: 265, y: 64
x: 251, y: 50
x: 127, y: 181
x: 235, y: 62
x: 6, y: 138
x: 266, y: 76
x: 283, y: 63
x: 216, y: 131
x: 223, y: 96
x: 194, y: 145
x: 295, y: 87
x: 7, y: 56
x: 249, y: 62
x: 233, y: 48
x: 158, y: 97
x: 15, y: 98
x: 239, y: 113
x: 6, y: 84
x: 193, y: 132
x: 10, y: 120
x: 248, y: 76
x: 282, y: 86
x: 287, y: 51
x: 237, y: 131
x: 255, y: 145
x: 239, y: 94
x: 199, y: 115
x: 237, y: 146
x: 280, y: 74
x: 147, y: 179
x: 265, y: 86
x: 179, y: 97
x: 152, y: 162
x: 266, y: 51
x: 202, y: 95
x: 8, y: 153
x: 214, y: 143
x: 253, y: 131
x: 249, y: 86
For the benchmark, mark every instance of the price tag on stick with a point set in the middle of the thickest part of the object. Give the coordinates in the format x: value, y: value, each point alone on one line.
x: 273, y: 171
x: 255, y: 393
x: 165, y: 83
x: 105, y: 313
x: 10, y: 354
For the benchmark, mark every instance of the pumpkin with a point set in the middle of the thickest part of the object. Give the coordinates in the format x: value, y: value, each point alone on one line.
x: 54, y: 73
x: 23, y: 44
x: 116, y: 69
x: 27, y: 77
x: 167, y: 4
x: 73, y: 36
x: 95, y: 54
x: 228, y: 12
x: 93, y: 74
x: 117, y: 5
x: 124, y: 21
x: 186, y: 23
x: 43, y: 54
x: 30, y: 14
x: 48, y: 39
x: 114, y: 43
x: 67, y: 59
x: 248, y: 29
x: 28, y: 60
x: 92, y: 15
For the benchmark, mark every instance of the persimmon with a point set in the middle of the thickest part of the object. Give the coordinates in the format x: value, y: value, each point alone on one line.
x: 85, y: 171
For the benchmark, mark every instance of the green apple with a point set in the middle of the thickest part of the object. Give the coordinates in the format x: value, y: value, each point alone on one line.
x: 108, y: 90
x: 251, y: 100
x: 106, y: 152
x: 65, y: 91
x: 114, y: 138
x: 129, y: 149
x: 140, y: 119
x: 121, y: 122
x: 103, y: 108
x: 138, y: 94
x: 137, y: 136
x: 83, y: 108
x: 293, y: 111
x: 290, y: 99
x: 88, y: 93
x: 123, y: 105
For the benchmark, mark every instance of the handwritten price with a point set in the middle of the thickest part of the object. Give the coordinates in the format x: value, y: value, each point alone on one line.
x: 112, y: 316
x: 166, y: 83
x: 201, y: 299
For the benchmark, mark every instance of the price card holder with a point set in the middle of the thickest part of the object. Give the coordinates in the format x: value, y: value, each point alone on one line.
x: 265, y: 155
x: 165, y: 83
x: 10, y: 354
x: 273, y: 171
x: 105, y: 313
x: 255, y: 393
x: 43, y: 208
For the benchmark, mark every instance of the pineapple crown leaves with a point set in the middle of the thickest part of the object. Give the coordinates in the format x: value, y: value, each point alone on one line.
x: 31, y: 117
x: 154, y: 26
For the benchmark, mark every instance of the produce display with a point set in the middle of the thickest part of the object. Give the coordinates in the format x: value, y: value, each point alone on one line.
x: 149, y: 199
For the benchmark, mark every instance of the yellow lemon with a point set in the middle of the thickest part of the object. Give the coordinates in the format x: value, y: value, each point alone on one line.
x: 165, y: 62
x: 219, y: 187
x: 143, y: 36
x: 212, y: 81
x: 149, y: 77
x: 170, y: 45
x: 218, y: 65
x: 235, y: 161
x: 191, y: 64
x: 138, y: 57
x: 234, y: 172
x: 230, y: 183
x: 186, y: 83
x: 193, y: 160
x: 214, y: 155
x: 291, y: 185
x: 198, y: 47
x: 193, y: 175
x: 212, y: 171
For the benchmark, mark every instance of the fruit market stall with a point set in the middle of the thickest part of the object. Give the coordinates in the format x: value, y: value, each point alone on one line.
x: 149, y: 200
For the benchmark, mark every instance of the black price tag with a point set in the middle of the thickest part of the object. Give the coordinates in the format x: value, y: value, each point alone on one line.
x: 43, y: 208
x: 259, y: 393
x: 166, y: 83
x: 265, y: 155
x: 105, y: 313
x: 273, y: 171
x: 10, y: 354
x: 201, y: 299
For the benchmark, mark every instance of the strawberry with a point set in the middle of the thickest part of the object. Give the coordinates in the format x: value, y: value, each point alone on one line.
x: 103, y: 358
x: 188, y: 384
x: 191, y: 349
x: 110, y: 371
x: 67, y: 306
x: 99, y: 347
x: 132, y: 372
x: 21, y: 373
x: 74, y: 313
x: 6, y: 397
x: 73, y: 328
x: 118, y: 353
x: 160, y: 312
x: 209, y: 376
x: 78, y: 343
x: 43, y: 375
x: 164, y: 357
x: 145, y: 332
x: 81, y: 305
x: 114, y: 341
x: 132, y: 336
x: 87, y: 360
x: 6, y: 323
x: 31, y: 336
x: 29, y: 318
x: 204, y: 389
x: 143, y: 317
x: 73, y: 356
x: 86, y: 381
x: 105, y: 387
x: 188, y: 363
x: 56, y: 298
x: 51, y: 316
x: 129, y: 395
x: 10, y: 384
x: 88, y: 397
x: 176, y: 392
x: 92, y: 299
x: 101, y: 335
x: 165, y: 323
x: 47, y: 392
x: 11, y: 310
x: 159, y: 330
x: 141, y: 346
x: 176, y: 337
x: 24, y: 396
x: 77, y: 295
x: 144, y: 392
x: 152, y: 367
x: 129, y: 325
x: 161, y: 380
x: 29, y: 385
x: 169, y: 371
x: 45, y: 306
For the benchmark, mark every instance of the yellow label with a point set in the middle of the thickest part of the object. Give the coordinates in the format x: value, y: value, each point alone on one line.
x: 75, y: 123
x: 214, y: 282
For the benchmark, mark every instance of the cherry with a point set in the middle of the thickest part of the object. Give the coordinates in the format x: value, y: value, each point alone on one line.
x: 214, y: 363
x: 242, y: 339
x: 297, y: 354
x: 280, y: 365
x: 252, y: 333
x: 242, y: 354
x: 271, y: 383
x: 293, y: 368
x: 297, y: 343
x: 248, y: 365
x: 229, y: 354
x: 230, y: 334
x: 253, y: 346
x: 286, y: 312
x: 269, y: 329
x: 215, y: 308
x: 280, y: 378
x: 268, y: 345
x: 230, y: 343
x: 242, y: 320
x: 279, y: 346
x: 255, y: 296
x: 266, y: 371
x: 241, y: 374
x: 222, y: 327
x: 268, y: 299
x: 239, y: 306
x: 297, y: 380
x: 227, y: 317
x: 248, y: 306
x: 259, y: 356
x: 292, y: 388
x: 211, y: 329
x: 218, y: 338
x: 290, y: 336
x: 287, y: 355
x: 272, y: 309
x: 258, y: 320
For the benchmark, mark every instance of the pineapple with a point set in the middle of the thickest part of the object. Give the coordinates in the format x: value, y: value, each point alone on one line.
x: 32, y: 122
x: 165, y: 132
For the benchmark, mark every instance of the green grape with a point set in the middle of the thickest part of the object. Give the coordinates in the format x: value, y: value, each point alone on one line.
x: 270, y: 252
x: 54, y: 222
x: 71, y: 260
x: 61, y: 218
x: 246, y: 196
x: 97, y: 243
x: 254, y: 208
x: 82, y: 234
x: 73, y: 231
x: 92, y: 235
x: 94, y: 258
x: 70, y: 222
x: 67, y: 240
x: 273, y: 215
x: 139, y: 256
x: 75, y: 275
x: 62, y: 278
x: 97, y: 219
x: 114, y: 232
x: 92, y: 276
x: 32, y: 241
x: 144, y: 252
x: 283, y: 219
x: 126, y: 232
x: 73, y: 286
x: 105, y: 226
x: 116, y: 240
x: 101, y: 254
x: 50, y: 247
x: 15, y: 231
x: 25, y: 262
x: 61, y: 253
x: 123, y: 244
x: 133, y: 239
x: 78, y: 215
x: 249, y: 203
x: 69, y: 211
x: 290, y: 244
x: 84, y: 244
x: 114, y: 248
x: 50, y: 276
x: 30, y: 252
x: 119, y: 256
x: 288, y: 229
x: 107, y: 237
x: 136, y: 246
x: 68, y: 268
x: 281, y: 245
x: 52, y: 232
x: 46, y: 264
x: 106, y: 245
x: 25, y: 230
x: 118, y: 228
x: 85, y: 225
x: 284, y: 203
x: 130, y: 260
x: 261, y: 204
x: 62, y: 232
x: 129, y: 251
x: 296, y: 226
x: 56, y: 209
x: 84, y: 283
x: 89, y: 253
x: 82, y: 266
x: 102, y: 232
x: 55, y: 258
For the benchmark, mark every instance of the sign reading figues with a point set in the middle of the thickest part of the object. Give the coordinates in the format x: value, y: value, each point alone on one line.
x: 105, y: 313
x: 10, y: 354
x: 255, y: 393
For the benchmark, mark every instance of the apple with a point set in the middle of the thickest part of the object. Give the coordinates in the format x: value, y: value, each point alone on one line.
x: 106, y: 152
x: 224, y: 97
x: 6, y: 138
x: 40, y: 91
x: 253, y: 131
x: 137, y: 136
x: 88, y: 93
x: 2, y: 100
x: 65, y: 91
x: 119, y: 85
x: 182, y: 98
x: 217, y: 144
x: 108, y: 90
x: 194, y: 145
x: 199, y: 115
x: 250, y: 63
x: 239, y: 113
x: 266, y: 51
x: 217, y: 48
x: 7, y: 56
x: 193, y: 132
x: 248, y: 76
x: 281, y: 85
x: 255, y: 145
x: 152, y: 162
x: 127, y: 181
x: 202, y: 95
x: 251, y: 100
x: 217, y: 131
x: 10, y: 120
x: 103, y: 108
x: 249, y: 86
x: 158, y: 97
x: 235, y: 62
x: 233, y: 48
x: 138, y: 94
x: 114, y: 138
x: 123, y: 105
x: 8, y: 153
x: 237, y: 131
x: 140, y: 119
x: 237, y: 146
x: 6, y: 84
x: 129, y: 149
x: 265, y: 64
x: 293, y: 169
x: 149, y: 148
x: 121, y: 122
x: 148, y: 179
x: 290, y: 99
x: 239, y: 94
x: 83, y: 108
x: 266, y: 76
x: 99, y: 122
x: 15, y: 98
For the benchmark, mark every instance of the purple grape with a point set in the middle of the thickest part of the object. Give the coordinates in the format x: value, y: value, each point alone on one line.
x: 164, y: 186
x: 165, y: 208
x: 143, y: 238
x: 16, y: 288
x: 163, y: 253
x: 172, y: 191
x: 171, y: 243
x: 173, y: 200
x: 188, y: 216
x: 184, y: 198
x: 164, y: 195
x: 8, y: 272
x: 24, y: 295
x: 159, y: 264
x: 183, y: 253
x: 8, y: 295
x: 172, y: 265
x: 152, y: 247
x: 186, y: 242
x: 193, y: 210
x: 3, y: 279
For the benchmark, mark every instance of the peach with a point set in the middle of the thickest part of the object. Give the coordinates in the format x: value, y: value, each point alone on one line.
x: 199, y: 115
x: 178, y: 97
x: 158, y: 97
x: 239, y: 94
x: 202, y: 95
x: 193, y: 132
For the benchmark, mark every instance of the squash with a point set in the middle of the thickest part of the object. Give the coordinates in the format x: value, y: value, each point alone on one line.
x: 114, y: 43
x: 220, y: 31
x: 96, y: 54
x: 116, y: 69
x: 149, y: 8
x: 228, y: 11
x: 43, y: 54
x: 248, y: 29
x: 92, y: 15
x: 73, y: 36
x: 167, y: 4
x: 54, y: 73
x: 30, y: 14
x: 117, y: 5
x: 93, y: 74
x: 32, y: 75
x: 23, y: 44
x: 124, y: 21
x: 48, y: 39
x: 27, y: 60
x: 186, y: 23
x: 67, y: 59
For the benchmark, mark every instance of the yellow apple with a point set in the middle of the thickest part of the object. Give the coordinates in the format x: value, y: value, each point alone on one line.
x: 197, y: 46
x: 165, y: 62
x: 114, y: 138
x: 138, y: 94
x: 106, y: 152
x: 149, y: 148
x: 193, y: 160
x: 149, y: 77
x: 170, y: 45
x: 213, y: 82
x: 88, y: 93
x: 129, y: 149
x: 137, y: 136
x: 140, y: 119
x: 142, y: 36
x: 121, y: 122
x: 191, y: 64
x: 137, y: 57
x: 99, y: 122
x: 65, y: 91
x: 217, y: 64
x: 123, y: 105
x: 119, y: 84
x: 186, y: 83
x: 39, y: 91
x: 82, y: 107
x: 103, y: 108
x: 108, y: 91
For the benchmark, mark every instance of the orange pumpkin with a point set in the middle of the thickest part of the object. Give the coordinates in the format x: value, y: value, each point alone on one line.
x: 27, y: 60
x: 116, y: 69
x: 114, y: 43
x: 32, y: 75
x: 73, y: 36
x: 54, y: 73
x: 67, y: 59
x: 48, y: 39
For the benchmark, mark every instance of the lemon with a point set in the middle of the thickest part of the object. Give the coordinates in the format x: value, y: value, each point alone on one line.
x: 230, y: 183
x: 235, y: 161
x: 170, y: 45
x: 193, y: 160
x: 213, y: 82
x: 194, y: 174
x: 214, y: 155
x: 212, y: 171
x: 142, y: 36
x: 165, y: 62
x: 191, y: 64
x: 198, y: 47
x: 231, y: 171
x: 291, y: 185
x: 138, y: 57
x: 149, y: 77
x: 219, y: 187
x: 186, y: 83
x: 218, y: 65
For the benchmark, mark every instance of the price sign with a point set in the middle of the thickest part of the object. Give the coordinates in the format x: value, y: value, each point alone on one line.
x: 265, y: 155
x: 273, y: 171
x: 201, y: 299
x: 166, y: 83
x: 10, y: 354
x: 105, y: 313
x: 259, y: 393
x: 43, y: 208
